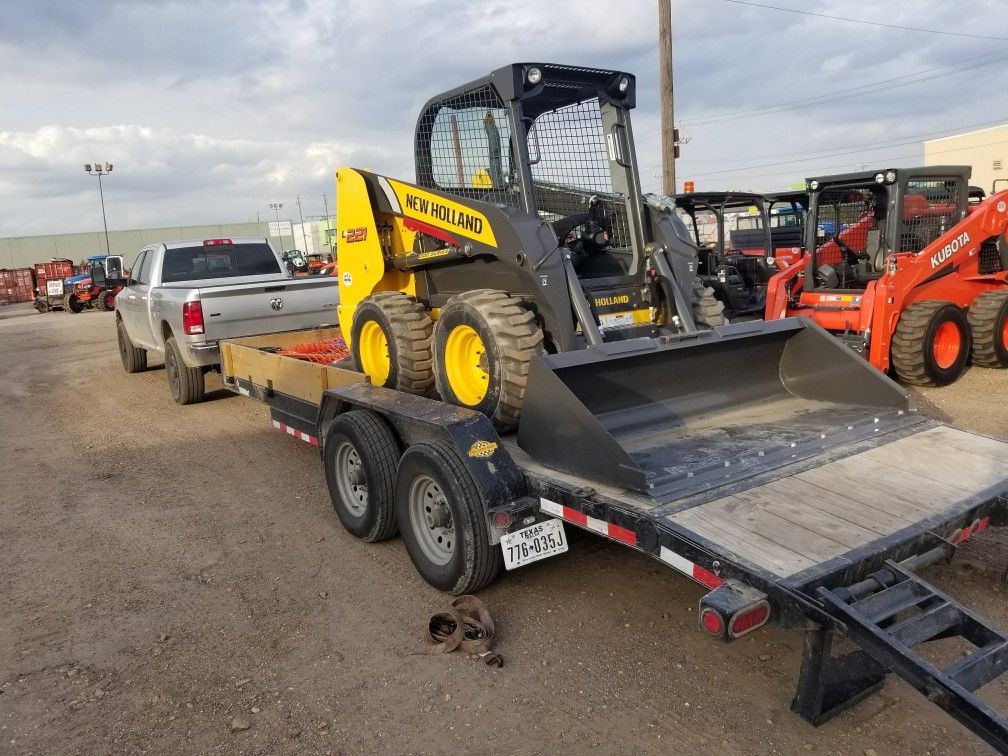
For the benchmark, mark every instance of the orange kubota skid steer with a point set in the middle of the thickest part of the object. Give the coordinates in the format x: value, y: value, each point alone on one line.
x: 904, y: 270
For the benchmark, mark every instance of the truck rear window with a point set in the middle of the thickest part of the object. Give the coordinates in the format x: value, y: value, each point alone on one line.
x: 197, y: 263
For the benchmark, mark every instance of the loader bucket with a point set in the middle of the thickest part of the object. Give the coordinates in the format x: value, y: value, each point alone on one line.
x: 645, y: 413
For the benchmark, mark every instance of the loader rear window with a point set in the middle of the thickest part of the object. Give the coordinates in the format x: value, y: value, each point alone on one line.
x: 198, y: 263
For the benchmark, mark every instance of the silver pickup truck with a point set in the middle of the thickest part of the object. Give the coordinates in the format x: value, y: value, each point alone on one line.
x: 183, y: 297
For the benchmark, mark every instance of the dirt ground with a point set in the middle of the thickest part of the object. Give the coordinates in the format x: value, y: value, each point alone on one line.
x: 169, y: 573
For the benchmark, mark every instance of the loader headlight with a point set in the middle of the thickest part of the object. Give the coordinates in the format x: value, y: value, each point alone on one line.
x: 813, y: 185
x: 890, y: 176
x: 533, y: 75
x: 624, y: 84
x: 879, y: 178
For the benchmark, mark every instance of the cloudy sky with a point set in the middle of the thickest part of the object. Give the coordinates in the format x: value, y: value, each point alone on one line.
x: 210, y: 110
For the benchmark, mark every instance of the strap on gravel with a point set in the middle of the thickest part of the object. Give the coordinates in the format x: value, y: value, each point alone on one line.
x: 466, y: 626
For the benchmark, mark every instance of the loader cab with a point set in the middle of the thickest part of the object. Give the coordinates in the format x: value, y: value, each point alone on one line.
x: 857, y: 221
x: 549, y: 141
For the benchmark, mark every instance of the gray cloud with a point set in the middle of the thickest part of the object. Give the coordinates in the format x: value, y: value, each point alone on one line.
x: 211, y: 110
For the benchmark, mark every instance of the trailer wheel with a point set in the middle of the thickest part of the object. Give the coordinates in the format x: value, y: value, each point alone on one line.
x: 483, y: 343
x: 391, y: 342
x: 442, y: 521
x: 708, y: 310
x: 931, y: 344
x: 133, y: 358
x: 186, y: 383
x: 360, y: 455
x: 988, y: 319
x: 73, y: 304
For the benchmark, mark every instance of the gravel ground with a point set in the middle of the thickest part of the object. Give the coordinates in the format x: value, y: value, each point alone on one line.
x: 174, y: 580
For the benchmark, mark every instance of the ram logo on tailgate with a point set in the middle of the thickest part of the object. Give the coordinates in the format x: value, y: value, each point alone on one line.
x: 276, y: 303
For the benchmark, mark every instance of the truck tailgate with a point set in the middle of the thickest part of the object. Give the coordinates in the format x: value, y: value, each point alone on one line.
x: 283, y: 305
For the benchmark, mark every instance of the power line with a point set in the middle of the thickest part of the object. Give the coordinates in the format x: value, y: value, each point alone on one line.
x: 863, y: 21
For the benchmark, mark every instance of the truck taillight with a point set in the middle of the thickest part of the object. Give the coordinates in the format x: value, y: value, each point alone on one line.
x: 216, y: 242
x: 192, y: 318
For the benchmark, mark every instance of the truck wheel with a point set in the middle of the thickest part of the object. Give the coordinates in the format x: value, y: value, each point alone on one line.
x: 442, y: 520
x: 931, y: 344
x: 102, y: 302
x: 988, y: 320
x: 360, y: 455
x: 72, y: 304
x: 133, y: 358
x: 186, y: 383
x: 391, y: 341
x: 483, y: 343
x: 708, y: 310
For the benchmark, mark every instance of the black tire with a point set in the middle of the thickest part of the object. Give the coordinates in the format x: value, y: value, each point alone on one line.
x: 185, y: 383
x: 102, y: 303
x: 474, y: 562
x: 133, y: 358
x: 916, y: 355
x: 708, y: 310
x: 365, y: 441
x: 509, y: 338
x: 988, y: 320
x: 407, y: 328
x: 72, y: 304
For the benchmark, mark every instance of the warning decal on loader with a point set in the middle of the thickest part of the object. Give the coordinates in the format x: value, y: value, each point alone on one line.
x: 443, y: 213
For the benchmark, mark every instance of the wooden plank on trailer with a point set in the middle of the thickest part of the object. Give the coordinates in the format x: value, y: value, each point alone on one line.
x: 943, y: 440
x: 745, y: 544
x: 879, y: 521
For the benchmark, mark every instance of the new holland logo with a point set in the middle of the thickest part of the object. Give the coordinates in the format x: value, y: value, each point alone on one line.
x: 482, y: 449
x: 276, y: 304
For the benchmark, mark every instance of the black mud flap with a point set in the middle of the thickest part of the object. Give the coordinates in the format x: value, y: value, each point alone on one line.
x: 890, y: 616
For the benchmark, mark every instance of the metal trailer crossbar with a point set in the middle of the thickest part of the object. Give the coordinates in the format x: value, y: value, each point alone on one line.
x: 772, y: 527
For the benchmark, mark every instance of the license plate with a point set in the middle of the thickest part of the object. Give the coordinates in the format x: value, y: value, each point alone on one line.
x: 539, y: 541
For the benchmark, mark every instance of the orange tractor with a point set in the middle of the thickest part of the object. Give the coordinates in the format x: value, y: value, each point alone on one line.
x: 905, y: 270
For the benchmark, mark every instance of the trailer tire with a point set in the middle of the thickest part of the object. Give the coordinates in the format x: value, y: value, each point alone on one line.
x: 442, y: 519
x: 360, y: 443
x: 133, y: 358
x: 931, y: 344
x: 484, y: 341
x: 72, y: 304
x: 708, y: 310
x: 391, y: 342
x: 185, y: 383
x: 988, y: 319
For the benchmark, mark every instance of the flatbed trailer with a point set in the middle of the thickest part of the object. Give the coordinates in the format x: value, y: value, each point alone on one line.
x: 765, y: 505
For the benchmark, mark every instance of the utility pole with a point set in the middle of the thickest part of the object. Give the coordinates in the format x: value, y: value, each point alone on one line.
x: 304, y: 239
x: 669, y: 147
x: 325, y: 201
x: 97, y: 170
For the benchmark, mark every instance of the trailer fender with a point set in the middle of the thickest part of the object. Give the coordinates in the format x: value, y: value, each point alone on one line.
x: 471, y: 434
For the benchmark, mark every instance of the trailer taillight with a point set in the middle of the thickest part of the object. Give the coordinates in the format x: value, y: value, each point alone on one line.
x: 749, y: 619
x: 192, y: 318
x: 712, y: 622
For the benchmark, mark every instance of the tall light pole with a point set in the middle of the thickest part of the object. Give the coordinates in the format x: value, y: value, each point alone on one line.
x: 304, y: 239
x: 669, y: 146
x: 97, y: 170
x: 325, y: 201
x: 275, y: 207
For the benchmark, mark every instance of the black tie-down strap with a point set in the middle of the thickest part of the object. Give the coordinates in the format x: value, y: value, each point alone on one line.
x: 888, y: 624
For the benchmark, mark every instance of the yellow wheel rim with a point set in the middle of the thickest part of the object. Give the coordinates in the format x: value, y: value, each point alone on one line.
x: 372, y: 346
x: 464, y: 365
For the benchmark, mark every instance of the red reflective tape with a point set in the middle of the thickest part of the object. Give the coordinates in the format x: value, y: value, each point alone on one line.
x: 578, y: 518
x: 622, y: 534
x: 982, y: 525
x: 706, y: 577
x: 964, y: 534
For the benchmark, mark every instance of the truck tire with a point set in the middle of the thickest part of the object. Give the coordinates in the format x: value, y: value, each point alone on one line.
x: 391, y: 342
x: 185, y: 383
x: 72, y: 304
x: 360, y: 455
x: 133, y: 358
x: 708, y: 310
x: 931, y: 344
x: 102, y: 303
x: 442, y: 520
x: 988, y: 320
x: 483, y: 343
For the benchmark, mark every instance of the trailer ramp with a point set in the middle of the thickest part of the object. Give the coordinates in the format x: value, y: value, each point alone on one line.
x: 891, y: 616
